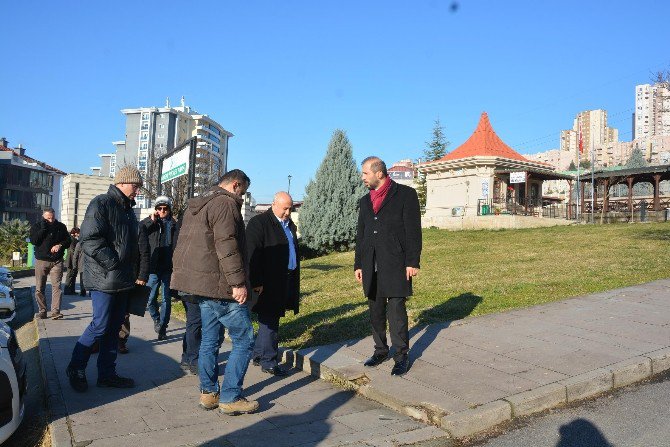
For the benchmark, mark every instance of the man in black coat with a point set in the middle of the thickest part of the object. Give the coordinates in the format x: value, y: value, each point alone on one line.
x: 158, y: 236
x: 274, y: 273
x: 388, y: 248
x: 50, y: 239
x: 71, y: 263
x: 109, y: 240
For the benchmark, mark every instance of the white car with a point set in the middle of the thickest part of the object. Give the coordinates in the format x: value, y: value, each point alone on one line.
x: 7, y: 299
x: 13, y: 383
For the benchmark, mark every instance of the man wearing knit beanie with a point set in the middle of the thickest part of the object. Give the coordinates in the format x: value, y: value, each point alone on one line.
x: 110, y: 248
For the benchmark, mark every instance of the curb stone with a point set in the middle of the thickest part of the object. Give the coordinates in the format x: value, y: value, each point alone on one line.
x: 660, y: 360
x: 469, y: 422
x: 630, y: 371
x: 58, y: 421
x: 588, y: 384
x: 538, y: 399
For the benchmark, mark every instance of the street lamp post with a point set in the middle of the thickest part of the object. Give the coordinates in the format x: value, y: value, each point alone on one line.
x: 289, y: 184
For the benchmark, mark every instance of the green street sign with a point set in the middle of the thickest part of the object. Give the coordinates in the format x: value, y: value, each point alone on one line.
x: 175, y: 165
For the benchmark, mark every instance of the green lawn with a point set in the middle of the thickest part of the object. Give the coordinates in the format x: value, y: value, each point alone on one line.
x: 469, y: 273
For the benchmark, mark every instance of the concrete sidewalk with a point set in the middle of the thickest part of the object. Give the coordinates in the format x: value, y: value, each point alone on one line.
x: 466, y: 376
x: 470, y: 375
x: 298, y: 410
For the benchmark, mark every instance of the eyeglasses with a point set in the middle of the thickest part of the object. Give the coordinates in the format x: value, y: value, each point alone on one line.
x: 162, y: 208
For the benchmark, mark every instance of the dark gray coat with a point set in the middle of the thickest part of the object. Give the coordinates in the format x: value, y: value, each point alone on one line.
x: 392, y: 239
x: 109, y: 241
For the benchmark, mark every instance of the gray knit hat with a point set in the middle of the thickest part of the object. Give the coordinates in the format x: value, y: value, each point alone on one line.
x: 128, y: 174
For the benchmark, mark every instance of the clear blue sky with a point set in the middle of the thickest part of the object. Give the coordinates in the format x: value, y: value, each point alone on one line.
x: 283, y: 75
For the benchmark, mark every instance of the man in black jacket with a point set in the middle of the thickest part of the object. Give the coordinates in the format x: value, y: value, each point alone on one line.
x: 71, y: 263
x: 158, y: 235
x: 388, y: 248
x: 109, y: 240
x: 50, y: 239
x: 274, y: 272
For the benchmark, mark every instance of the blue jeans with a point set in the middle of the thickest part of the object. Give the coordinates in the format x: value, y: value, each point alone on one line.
x: 109, y: 311
x: 235, y: 317
x: 160, y: 279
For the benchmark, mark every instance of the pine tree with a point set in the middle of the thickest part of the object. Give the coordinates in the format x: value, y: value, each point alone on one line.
x: 572, y: 166
x: 437, y: 147
x: 329, y: 212
x: 636, y: 159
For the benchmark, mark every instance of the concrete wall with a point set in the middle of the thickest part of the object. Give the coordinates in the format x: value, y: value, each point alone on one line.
x: 73, y: 206
x: 128, y: 155
x: 491, y: 222
x: 458, y: 189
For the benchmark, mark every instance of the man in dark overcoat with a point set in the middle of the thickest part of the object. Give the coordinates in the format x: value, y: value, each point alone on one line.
x: 388, y: 249
x: 274, y: 272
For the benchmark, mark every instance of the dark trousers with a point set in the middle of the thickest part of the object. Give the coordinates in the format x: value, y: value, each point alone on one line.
x: 70, y: 281
x: 109, y: 311
x: 124, y: 330
x: 82, y: 290
x: 266, y: 348
x: 191, y: 341
x: 394, y: 310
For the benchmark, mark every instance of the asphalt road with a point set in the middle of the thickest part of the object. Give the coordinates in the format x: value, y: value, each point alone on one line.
x: 634, y: 416
x: 33, y: 428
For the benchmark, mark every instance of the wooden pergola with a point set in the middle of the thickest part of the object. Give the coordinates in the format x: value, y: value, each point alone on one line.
x: 630, y: 177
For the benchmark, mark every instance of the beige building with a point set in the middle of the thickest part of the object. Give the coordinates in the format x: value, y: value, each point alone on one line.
x: 652, y: 110
x: 557, y: 158
x: 483, y: 176
x: 595, y: 135
x: 77, y: 192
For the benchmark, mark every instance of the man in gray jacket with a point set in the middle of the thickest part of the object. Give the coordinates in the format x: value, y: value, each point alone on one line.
x: 111, y: 262
x: 209, y: 263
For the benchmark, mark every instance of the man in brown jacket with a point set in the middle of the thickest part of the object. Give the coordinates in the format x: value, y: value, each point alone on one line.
x: 209, y: 263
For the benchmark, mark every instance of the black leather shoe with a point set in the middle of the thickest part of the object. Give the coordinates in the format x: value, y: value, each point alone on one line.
x: 376, y: 359
x: 256, y: 362
x: 116, y: 382
x: 162, y: 335
x: 77, y: 379
x: 275, y: 371
x: 401, y: 366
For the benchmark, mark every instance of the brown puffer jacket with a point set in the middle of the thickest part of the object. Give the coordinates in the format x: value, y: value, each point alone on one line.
x: 210, y: 253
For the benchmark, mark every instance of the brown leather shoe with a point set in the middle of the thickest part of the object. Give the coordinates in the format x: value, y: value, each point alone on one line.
x: 56, y: 315
x: 240, y: 406
x: 209, y: 401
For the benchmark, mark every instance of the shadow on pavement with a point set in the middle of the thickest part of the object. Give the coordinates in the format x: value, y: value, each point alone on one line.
x: 581, y: 432
x: 455, y: 308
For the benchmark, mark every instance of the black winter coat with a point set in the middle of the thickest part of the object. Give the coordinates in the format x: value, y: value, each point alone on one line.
x: 109, y: 241
x: 392, y: 239
x: 154, y: 258
x: 267, y: 248
x: 70, y: 262
x: 44, y: 235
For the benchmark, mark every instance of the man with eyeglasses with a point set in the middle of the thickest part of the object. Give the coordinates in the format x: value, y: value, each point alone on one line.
x: 158, y: 234
x: 109, y: 240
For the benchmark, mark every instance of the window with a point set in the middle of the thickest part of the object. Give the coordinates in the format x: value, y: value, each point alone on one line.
x: 145, y: 145
x: 162, y: 126
x: 145, y: 116
x: 145, y: 126
x: 145, y: 135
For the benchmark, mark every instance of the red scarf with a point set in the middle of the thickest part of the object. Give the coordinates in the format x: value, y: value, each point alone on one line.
x: 377, y: 196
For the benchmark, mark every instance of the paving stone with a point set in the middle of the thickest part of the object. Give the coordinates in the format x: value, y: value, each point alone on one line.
x: 410, y: 437
x: 538, y: 399
x: 630, y: 371
x: 476, y: 420
x: 588, y: 384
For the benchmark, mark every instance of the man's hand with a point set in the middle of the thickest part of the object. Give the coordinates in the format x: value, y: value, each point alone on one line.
x: 258, y: 289
x: 358, y: 273
x: 240, y: 294
x: 411, y: 271
x: 55, y: 248
x: 140, y: 282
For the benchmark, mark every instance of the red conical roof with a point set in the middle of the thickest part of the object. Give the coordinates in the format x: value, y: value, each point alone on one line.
x: 483, y: 142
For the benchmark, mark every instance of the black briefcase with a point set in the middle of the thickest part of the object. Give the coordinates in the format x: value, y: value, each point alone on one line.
x: 137, y: 300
